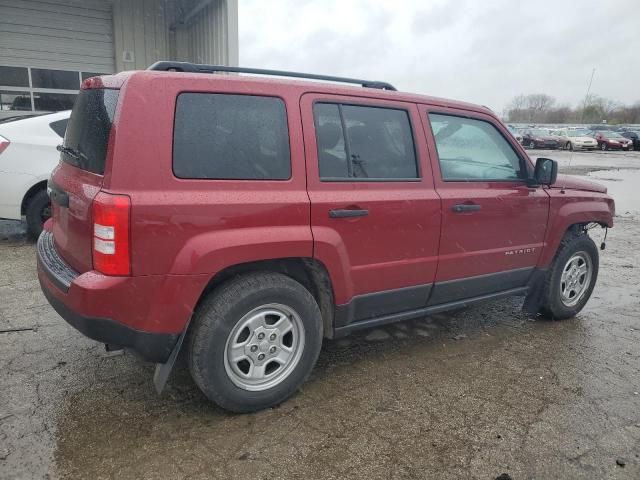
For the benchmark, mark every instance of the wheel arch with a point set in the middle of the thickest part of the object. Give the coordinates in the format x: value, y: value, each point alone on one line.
x: 573, y: 229
x: 35, y: 188
x: 309, y: 272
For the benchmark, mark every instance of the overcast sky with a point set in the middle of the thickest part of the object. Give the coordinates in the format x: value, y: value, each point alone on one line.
x: 484, y: 52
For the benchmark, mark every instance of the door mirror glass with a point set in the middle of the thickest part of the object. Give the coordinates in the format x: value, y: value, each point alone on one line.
x: 546, y: 171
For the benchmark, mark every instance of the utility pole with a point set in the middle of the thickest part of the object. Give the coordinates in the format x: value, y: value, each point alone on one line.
x: 586, y: 97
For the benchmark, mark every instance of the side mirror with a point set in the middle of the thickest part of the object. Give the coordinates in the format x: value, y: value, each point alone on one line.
x: 546, y: 171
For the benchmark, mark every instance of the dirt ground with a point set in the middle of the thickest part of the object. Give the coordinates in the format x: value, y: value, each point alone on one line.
x: 469, y: 395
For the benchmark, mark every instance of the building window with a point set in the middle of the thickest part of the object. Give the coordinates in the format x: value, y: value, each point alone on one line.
x: 39, y: 89
x: 53, y: 102
x: 14, y: 76
x: 58, y: 79
x: 15, y: 100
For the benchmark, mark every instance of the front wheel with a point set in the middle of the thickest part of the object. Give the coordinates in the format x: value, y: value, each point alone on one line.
x: 572, y: 277
x: 254, y: 341
x: 569, y: 146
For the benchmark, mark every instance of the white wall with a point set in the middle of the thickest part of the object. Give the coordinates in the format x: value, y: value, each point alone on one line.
x: 57, y: 34
x: 146, y: 31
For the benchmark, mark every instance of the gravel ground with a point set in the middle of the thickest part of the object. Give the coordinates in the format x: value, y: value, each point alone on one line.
x: 473, y: 394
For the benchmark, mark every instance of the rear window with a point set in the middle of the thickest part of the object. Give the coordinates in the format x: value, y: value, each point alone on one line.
x: 87, y: 135
x: 379, y: 143
x: 224, y: 137
x: 59, y: 126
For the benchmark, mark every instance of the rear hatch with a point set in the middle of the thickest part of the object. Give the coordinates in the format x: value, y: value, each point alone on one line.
x: 78, y: 177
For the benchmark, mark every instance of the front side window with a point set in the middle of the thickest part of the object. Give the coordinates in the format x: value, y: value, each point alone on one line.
x: 220, y: 136
x: 473, y: 150
x: 361, y: 143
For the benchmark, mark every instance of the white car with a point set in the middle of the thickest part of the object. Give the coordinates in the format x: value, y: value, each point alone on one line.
x: 27, y: 156
x: 575, y: 140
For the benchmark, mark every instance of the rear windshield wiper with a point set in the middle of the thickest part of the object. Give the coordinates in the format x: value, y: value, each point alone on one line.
x: 75, y: 154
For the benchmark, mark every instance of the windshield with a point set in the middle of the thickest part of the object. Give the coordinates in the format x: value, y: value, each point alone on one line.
x: 612, y: 134
x: 539, y: 131
x: 578, y: 133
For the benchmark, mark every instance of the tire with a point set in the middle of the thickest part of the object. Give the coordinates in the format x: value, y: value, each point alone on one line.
x: 603, y: 146
x: 37, y: 211
x: 532, y: 144
x: 218, y: 326
x: 556, y: 305
x: 569, y: 146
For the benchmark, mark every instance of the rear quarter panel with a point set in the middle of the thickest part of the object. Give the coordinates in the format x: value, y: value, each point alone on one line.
x: 181, y: 226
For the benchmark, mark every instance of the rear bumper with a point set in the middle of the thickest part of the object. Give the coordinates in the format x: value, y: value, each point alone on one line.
x: 146, y: 314
x: 153, y: 347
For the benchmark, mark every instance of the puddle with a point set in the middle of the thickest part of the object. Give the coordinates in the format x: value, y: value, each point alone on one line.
x: 622, y: 185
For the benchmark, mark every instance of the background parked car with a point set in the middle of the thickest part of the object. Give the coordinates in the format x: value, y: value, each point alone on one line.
x: 27, y: 156
x: 539, y: 138
x: 576, y: 140
x: 634, y: 136
x: 612, y: 141
x: 515, y: 132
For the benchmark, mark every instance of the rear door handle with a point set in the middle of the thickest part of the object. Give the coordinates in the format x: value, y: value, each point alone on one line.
x: 348, y: 213
x: 466, y: 207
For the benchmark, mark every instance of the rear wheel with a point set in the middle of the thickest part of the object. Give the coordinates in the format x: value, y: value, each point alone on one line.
x: 603, y: 146
x: 532, y: 144
x: 254, y: 341
x: 37, y: 211
x: 569, y: 146
x: 572, y: 277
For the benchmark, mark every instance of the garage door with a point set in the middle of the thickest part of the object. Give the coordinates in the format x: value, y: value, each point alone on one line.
x: 57, y: 34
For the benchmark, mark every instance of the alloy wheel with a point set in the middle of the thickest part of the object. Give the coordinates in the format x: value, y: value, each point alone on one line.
x: 575, y: 279
x: 264, y: 347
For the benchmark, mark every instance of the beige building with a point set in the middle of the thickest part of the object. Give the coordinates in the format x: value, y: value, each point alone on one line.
x: 48, y: 46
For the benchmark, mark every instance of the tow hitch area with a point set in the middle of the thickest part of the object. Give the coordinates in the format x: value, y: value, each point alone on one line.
x: 113, y: 350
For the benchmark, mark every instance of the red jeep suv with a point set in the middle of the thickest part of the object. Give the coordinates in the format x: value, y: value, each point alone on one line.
x: 256, y: 216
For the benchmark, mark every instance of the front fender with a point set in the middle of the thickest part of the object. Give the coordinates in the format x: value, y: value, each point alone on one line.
x: 572, y: 208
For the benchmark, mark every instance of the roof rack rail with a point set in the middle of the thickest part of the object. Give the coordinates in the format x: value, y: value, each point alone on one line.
x: 199, y: 68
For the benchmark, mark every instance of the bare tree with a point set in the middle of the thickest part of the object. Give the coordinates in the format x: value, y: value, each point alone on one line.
x: 541, y: 108
x: 538, y: 105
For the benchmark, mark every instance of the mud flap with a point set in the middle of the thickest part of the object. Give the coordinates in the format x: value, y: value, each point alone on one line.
x: 163, y: 370
x: 533, y: 300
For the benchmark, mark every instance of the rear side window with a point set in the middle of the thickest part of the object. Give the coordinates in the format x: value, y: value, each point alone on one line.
x: 473, y: 150
x: 364, y: 143
x: 225, y: 137
x: 59, y: 126
x: 87, y: 135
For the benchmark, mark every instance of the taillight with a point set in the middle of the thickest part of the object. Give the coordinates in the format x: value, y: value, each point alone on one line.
x: 111, y: 242
x: 4, y: 143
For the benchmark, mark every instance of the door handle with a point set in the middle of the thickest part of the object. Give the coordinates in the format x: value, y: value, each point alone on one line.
x: 465, y: 207
x: 348, y: 213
